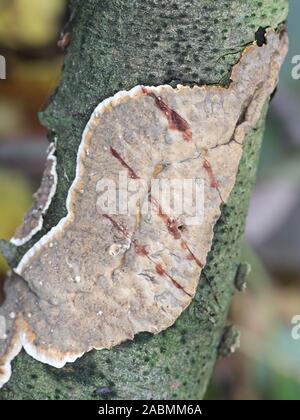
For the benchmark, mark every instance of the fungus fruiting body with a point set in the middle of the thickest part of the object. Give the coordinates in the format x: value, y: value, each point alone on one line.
x: 33, y: 221
x: 99, y: 277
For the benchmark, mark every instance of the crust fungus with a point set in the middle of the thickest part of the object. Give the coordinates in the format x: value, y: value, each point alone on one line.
x: 97, y: 279
x: 33, y: 221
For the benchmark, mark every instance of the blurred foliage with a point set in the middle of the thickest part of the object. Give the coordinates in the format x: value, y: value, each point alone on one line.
x: 279, y: 377
x: 267, y: 364
x: 15, y: 200
x: 26, y: 92
x: 29, y: 23
x: 29, y: 30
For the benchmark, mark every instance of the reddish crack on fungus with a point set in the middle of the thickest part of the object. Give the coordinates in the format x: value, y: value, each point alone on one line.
x: 213, y: 181
x: 131, y: 172
x: 119, y: 226
x: 175, y: 121
x: 171, y: 224
x: 174, y: 231
x: 141, y: 250
x: 191, y: 255
x: 162, y: 272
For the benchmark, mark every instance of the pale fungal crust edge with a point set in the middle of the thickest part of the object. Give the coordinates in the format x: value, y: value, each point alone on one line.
x: 20, y: 240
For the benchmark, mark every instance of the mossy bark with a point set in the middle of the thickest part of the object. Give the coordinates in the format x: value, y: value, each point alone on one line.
x: 115, y: 45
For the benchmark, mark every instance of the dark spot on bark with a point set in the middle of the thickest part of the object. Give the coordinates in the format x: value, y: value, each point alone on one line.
x: 105, y: 390
x: 260, y: 37
x: 81, y: 372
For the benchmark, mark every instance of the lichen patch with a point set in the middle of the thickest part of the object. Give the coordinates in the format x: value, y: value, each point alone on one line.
x: 99, y: 278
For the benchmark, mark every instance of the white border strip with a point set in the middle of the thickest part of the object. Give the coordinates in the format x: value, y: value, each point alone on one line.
x: 19, y: 242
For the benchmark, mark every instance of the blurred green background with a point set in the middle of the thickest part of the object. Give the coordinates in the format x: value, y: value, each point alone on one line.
x: 267, y: 365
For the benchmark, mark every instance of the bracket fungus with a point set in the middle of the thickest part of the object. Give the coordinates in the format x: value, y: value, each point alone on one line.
x: 98, y: 279
x: 33, y: 221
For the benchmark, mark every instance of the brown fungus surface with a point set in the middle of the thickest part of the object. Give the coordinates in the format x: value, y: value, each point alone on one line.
x: 98, y: 278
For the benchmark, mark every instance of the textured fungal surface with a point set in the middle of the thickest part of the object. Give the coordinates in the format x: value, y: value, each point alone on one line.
x: 33, y: 221
x: 98, y: 278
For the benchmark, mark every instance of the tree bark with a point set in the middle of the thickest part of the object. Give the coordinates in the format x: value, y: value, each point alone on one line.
x: 116, y: 45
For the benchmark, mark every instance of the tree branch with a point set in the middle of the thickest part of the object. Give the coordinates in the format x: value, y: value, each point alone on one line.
x: 115, y: 45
